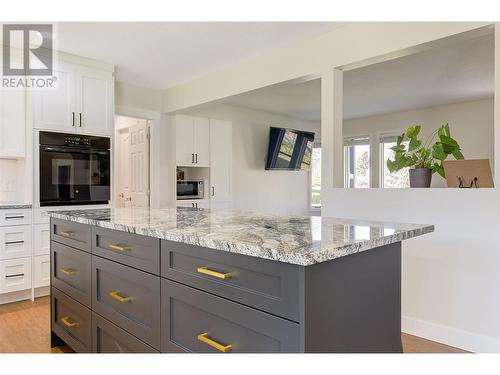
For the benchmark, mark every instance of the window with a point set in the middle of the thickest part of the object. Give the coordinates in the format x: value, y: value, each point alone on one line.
x: 316, y: 177
x: 357, y: 162
x: 400, y: 179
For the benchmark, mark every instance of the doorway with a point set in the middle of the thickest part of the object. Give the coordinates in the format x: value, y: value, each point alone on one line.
x: 132, y: 167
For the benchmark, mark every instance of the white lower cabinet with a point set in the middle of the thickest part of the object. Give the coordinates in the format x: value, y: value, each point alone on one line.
x: 15, y: 275
x: 15, y: 242
x: 41, y: 243
x: 221, y: 156
x: 194, y: 203
x: 41, y: 271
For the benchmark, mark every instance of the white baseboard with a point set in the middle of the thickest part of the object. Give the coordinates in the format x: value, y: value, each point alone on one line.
x: 465, y: 340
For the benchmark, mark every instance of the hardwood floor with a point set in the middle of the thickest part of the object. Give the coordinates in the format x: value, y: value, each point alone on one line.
x: 25, y: 328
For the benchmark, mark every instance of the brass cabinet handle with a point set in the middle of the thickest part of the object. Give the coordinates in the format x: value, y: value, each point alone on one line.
x: 119, y: 247
x: 219, y: 275
x: 68, y: 233
x: 203, y: 337
x: 65, y: 320
x: 116, y: 295
x: 68, y: 271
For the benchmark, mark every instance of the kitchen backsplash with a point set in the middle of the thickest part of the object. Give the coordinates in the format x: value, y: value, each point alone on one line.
x: 15, y: 181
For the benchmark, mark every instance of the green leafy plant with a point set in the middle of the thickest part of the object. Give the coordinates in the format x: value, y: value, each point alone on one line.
x: 429, y: 154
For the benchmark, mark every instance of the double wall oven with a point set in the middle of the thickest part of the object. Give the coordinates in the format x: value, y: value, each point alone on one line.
x: 74, y: 169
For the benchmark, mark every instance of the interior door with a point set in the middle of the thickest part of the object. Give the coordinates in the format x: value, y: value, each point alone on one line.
x: 139, y: 164
x: 202, y: 141
x: 55, y: 108
x: 123, y: 168
x: 220, y: 160
x: 95, y: 98
x: 184, y: 140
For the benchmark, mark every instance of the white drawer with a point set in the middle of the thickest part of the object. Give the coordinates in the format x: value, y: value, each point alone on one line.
x: 193, y: 203
x: 41, y: 239
x: 15, y: 274
x: 15, y: 242
x: 41, y: 215
x: 41, y: 271
x: 15, y: 217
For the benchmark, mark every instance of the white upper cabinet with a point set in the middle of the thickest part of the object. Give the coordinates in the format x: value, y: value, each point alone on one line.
x: 82, y: 101
x: 13, y: 121
x: 202, y: 141
x: 184, y: 140
x: 192, y: 135
x: 54, y: 108
x: 95, y: 100
x: 220, y: 160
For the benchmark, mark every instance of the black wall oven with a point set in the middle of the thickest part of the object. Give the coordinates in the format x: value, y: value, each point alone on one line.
x: 74, y: 169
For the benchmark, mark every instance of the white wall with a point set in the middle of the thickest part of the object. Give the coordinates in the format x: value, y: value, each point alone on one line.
x: 132, y: 96
x: 471, y: 124
x: 254, y: 188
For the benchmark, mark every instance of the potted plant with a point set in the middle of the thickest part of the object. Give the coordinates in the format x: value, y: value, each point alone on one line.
x: 426, y: 158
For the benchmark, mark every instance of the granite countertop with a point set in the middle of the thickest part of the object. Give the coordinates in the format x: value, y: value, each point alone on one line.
x: 302, y: 240
x: 13, y: 205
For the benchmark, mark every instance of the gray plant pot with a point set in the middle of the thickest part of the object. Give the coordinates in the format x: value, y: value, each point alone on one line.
x: 420, y: 177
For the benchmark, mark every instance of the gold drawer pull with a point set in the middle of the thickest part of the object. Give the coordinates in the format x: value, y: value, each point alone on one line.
x: 219, y: 275
x: 69, y: 323
x: 67, y: 233
x: 119, y: 247
x: 116, y: 295
x: 68, y: 271
x: 203, y: 337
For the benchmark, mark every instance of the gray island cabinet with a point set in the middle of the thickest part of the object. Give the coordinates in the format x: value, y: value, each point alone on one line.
x: 194, y: 280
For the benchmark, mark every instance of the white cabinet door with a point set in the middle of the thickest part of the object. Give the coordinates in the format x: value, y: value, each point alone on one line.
x: 15, y: 242
x: 201, y: 141
x: 139, y: 161
x: 184, y: 141
x: 13, y: 117
x: 94, y: 97
x: 220, y: 160
x: 41, y: 271
x: 55, y: 108
x: 12, y: 123
x: 41, y: 239
x: 15, y: 274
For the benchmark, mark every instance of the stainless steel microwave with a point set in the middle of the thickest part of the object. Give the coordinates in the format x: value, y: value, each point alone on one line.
x: 190, y: 189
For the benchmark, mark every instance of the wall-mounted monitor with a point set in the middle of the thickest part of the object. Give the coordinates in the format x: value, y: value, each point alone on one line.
x: 289, y: 149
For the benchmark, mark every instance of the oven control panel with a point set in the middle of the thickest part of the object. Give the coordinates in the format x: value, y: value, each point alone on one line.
x: 80, y: 141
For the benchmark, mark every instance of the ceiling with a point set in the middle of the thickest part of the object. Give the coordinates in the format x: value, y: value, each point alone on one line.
x: 460, y: 71
x: 159, y: 55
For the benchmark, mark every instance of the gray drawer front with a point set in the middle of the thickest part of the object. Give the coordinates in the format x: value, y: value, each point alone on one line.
x: 136, y: 303
x: 188, y: 313
x: 71, y: 271
x: 109, y: 338
x: 133, y: 250
x: 71, y: 321
x: 70, y: 233
x: 266, y: 285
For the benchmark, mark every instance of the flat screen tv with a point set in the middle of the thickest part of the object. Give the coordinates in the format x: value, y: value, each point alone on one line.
x: 289, y: 149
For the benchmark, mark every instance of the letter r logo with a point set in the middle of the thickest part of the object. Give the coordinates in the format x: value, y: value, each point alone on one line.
x: 36, y: 42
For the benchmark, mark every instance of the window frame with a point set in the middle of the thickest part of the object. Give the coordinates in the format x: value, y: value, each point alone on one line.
x: 369, y: 137
x: 380, y: 136
x: 314, y: 209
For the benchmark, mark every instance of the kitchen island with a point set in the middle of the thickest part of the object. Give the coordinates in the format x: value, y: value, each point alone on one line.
x: 199, y: 280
